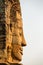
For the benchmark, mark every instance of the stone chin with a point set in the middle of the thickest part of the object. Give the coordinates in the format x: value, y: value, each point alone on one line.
x: 16, y: 56
x: 16, y: 53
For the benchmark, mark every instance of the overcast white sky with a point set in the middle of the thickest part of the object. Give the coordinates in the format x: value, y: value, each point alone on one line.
x: 32, y: 14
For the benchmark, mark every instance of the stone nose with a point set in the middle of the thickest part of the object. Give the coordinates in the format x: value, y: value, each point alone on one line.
x: 23, y: 41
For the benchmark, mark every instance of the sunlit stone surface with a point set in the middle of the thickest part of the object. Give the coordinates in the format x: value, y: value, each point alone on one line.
x: 11, y: 33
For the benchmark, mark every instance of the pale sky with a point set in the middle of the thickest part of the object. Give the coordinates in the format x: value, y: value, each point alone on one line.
x: 32, y: 14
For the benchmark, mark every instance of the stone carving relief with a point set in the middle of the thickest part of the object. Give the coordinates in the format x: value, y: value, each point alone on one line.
x: 12, y: 40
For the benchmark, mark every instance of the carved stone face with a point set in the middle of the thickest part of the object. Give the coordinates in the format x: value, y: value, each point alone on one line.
x: 12, y: 30
x: 18, y: 40
x: 18, y: 43
x: 16, y: 29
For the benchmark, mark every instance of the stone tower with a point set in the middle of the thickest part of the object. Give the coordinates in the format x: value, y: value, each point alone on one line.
x: 11, y: 32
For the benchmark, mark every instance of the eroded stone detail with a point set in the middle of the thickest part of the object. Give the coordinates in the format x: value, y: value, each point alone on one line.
x: 11, y: 32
